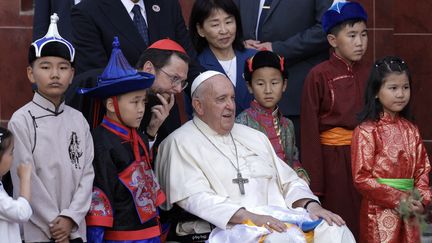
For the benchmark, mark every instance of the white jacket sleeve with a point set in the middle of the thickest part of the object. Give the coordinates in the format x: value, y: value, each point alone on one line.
x: 14, y: 211
x: 210, y: 207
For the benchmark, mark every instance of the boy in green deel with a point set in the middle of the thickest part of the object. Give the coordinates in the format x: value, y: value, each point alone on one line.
x: 267, y: 77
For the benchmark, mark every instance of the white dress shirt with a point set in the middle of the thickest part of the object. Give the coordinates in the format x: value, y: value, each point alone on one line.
x: 128, y: 4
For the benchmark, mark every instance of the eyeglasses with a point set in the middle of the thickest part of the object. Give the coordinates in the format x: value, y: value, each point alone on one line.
x: 176, y: 80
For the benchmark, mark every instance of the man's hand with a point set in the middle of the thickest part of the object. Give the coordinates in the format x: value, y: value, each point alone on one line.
x: 159, y: 114
x: 251, y: 43
x: 254, y: 44
x: 316, y: 211
x: 269, y: 222
x: 242, y: 215
x: 60, y: 228
x: 264, y: 46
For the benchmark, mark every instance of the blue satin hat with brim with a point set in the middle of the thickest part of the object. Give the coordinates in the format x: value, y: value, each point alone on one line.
x: 340, y: 12
x: 118, y: 77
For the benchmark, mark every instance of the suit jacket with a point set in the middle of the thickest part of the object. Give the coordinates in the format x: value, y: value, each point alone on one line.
x: 294, y: 28
x: 41, y: 18
x: 96, y: 22
x: 242, y: 96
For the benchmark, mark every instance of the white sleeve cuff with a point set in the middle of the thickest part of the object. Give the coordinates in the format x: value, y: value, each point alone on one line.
x: 210, y: 207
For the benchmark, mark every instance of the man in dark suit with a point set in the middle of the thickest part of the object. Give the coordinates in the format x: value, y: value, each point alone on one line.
x: 41, y: 18
x: 292, y: 29
x: 96, y: 22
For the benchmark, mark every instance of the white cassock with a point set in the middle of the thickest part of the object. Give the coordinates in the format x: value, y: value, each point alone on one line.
x: 199, y: 178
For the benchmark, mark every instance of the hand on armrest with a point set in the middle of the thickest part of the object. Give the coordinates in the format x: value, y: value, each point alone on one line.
x: 242, y: 215
x: 316, y: 211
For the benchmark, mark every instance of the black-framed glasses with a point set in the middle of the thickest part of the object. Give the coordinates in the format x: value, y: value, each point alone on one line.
x: 176, y: 80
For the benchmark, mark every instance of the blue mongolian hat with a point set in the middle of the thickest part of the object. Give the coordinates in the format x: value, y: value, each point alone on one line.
x: 340, y: 12
x: 118, y: 77
x: 52, y: 44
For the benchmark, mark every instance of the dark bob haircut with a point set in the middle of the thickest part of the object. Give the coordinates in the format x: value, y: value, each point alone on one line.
x: 373, y: 108
x: 201, y: 10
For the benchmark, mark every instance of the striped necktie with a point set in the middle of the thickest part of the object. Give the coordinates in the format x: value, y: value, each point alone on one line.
x: 140, y: 23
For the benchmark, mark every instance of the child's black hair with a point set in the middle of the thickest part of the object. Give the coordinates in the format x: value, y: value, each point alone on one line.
x: 380, y: 70
x: 351, y: 22
x: 5, y: 140
x: 265, y: 58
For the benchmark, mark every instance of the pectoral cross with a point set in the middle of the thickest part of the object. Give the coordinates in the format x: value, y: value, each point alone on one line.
x: 240, y: 181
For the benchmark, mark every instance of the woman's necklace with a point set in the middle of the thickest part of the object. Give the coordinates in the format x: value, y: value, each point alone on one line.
x: 227, y: 70
x: 239, y: 179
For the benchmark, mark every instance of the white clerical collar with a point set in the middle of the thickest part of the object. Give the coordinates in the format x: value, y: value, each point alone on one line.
x: 206, y: 129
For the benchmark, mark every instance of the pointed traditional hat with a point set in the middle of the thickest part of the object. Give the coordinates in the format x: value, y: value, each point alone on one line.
x: 118, y: 77
x: 340, y: 12
x: 52, y: 44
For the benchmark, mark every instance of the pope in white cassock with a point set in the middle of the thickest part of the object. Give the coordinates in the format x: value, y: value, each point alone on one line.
x: 223, y: 172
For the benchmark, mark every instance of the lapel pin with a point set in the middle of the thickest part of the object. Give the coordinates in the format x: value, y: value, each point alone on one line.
x: 156, y: 8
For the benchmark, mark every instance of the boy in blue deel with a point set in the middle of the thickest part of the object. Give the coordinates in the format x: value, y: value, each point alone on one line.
x: 125, y: 193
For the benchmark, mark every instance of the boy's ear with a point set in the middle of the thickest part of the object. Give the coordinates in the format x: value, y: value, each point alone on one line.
x: 110, y: 105
x: 73, y: 74
x: 332, y: 40
x: 30, y: 75
x: 285, y: 84
x: 249, y: 86
x: 149, y: 68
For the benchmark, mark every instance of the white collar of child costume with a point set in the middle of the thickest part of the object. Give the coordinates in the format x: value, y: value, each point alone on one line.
x: 48, y: 105
x: 203, y: 77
